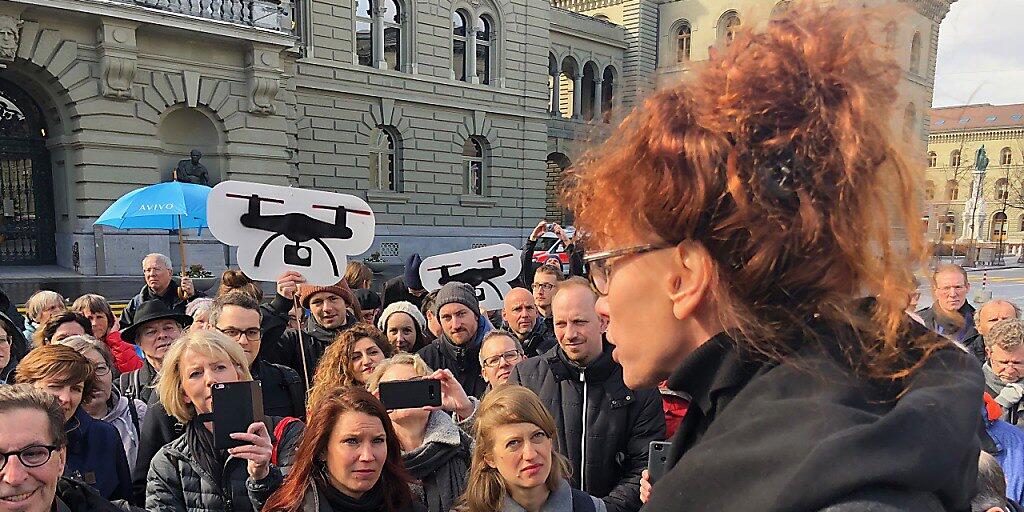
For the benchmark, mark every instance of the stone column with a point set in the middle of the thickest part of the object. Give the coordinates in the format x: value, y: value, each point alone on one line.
x: 378, y: 35
x: 597, y: 100
x: 577, y: 96
x: 471, y: 53
x: 555, y: 85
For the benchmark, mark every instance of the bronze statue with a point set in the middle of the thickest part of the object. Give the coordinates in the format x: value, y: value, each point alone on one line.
x: 980, y: 160
x: 191, y: 171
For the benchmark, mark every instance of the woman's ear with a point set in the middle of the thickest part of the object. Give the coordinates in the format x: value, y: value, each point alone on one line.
x: 690, y: 278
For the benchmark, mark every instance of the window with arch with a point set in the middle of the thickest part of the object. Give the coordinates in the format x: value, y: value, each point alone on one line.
x: 1002, y: 189
x: 952, y: 190
x: 1021, y: 223
x: 483, y: 48
x: 459, y: 22
x: 909, y: 121
x: 385, y: 159
x: 780, y: 9
x: 932, y: 159
x: 1006, y: 157
x: 475, y: 46
x: 915, y: 53
x: 890, y: 35
x: 999, y: 227
x: 954, y: 158
x: 728, y: 26
x: 683, y: 41
x: 474, y: 158
x: 378, y: 30
x: 608, y: 92
x: 929, y: 190
x: 948, y: 223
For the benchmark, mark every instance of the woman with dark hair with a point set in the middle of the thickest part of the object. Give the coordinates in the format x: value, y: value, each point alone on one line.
x: 349, y: 460
x: 752, y: 232
x: 101, y: 317
x: 232, y: 280
x: 349, y: 361
x: 404, y: 325
x: 60, y: 326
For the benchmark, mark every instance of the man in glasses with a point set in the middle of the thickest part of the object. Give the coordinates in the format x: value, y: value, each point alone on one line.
x: 500, y: 352
x: 33, y: 450
x: 520, y: 316
x: 604, y: 428
x: 1004, y: 370
x: 950, y: 314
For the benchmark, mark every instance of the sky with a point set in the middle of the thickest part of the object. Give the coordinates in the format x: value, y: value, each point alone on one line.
x: 981, y: 54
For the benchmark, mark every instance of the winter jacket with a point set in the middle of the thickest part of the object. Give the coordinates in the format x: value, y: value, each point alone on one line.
x: 1009, y: 452
x: 29, y: 331
x: 178, y: 483
x: 139, y: 384
x: 73, y: 496
x: 463, y: 361
x: 281, y: 344
x: 562, y: 499
x: 441, y: 463
x: 19, y: 347
x: 96, y: 457
x: 1010, y: 397
x: 125, y: 357
x: 608, y: 448
x: 314, y: 501
x: 126, y: 415
x: 539, y: 340
x: 952, y: 327
x: 169, y: 297
x: 809, y: 434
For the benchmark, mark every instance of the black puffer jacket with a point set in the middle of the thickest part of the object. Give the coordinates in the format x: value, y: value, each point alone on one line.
x: 177, y: 481
x: 620, y: 423
x: 139, y: 384
x: 462, y: 360
x: 807, y: 435
x: 74, y: 496
x: 169, y: 297
x: 281, y: 344
x: 539, y: 340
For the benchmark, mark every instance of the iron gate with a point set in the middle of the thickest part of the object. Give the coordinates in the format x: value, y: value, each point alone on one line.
x: 26, y: 199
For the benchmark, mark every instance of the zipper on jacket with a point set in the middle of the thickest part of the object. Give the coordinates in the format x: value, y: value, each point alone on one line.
x: 583, y: 439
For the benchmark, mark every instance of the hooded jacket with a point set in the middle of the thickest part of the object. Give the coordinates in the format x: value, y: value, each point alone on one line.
x: 808, y: 434
x: 539, y: 340
x: 96, y: 457
x: 607, y: 449
x: 169, y: 297
x: 281, y: 344
x: 127, y: 423
x: 462, y: 360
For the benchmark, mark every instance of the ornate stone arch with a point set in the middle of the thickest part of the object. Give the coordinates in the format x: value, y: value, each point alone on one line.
x: 385, y: 114
x: 53, y: 74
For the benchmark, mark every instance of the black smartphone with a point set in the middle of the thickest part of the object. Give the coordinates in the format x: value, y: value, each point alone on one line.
x: 236, y: 405
x: 409, y: 394
x: 657, y: 460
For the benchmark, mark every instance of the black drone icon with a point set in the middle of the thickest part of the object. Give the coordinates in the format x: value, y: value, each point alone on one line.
x: 297, y: 227
x: 474, y: 276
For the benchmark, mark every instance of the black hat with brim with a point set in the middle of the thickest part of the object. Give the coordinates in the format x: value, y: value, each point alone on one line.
x: 149, y: 311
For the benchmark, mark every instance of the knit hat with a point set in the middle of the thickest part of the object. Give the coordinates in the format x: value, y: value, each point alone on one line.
x: 340, y: 289
x: 412, y: 272
x: 368, y: 300
x: 457, y: 292
x: 401, y: 306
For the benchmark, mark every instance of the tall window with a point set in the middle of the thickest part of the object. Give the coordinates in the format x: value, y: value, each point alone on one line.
x: 909, y: 121
x: 364, y: 33
x: 384, y: 159
x: 952, y: 190
x: 1002, y: 189
x: 929, y: 190
x: 1006, y: 156
x: 999, y: 227
x: 392, y: 23
x: 608, y: 92
x: 379, y: 34
x: 932, y: 159
x: 459, y: 45
x: 483, y: 49
x: 475, y: 164
x: 890, y: 35
x: 915, y: 53
x: 683, y: 42
x: 728, y: 27
x: 954, y: 158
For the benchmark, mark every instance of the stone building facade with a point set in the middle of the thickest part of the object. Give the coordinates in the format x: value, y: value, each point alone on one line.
x: 454, y: 119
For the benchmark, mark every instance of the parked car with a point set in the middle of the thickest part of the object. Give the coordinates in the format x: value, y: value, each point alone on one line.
x: 550, y: 248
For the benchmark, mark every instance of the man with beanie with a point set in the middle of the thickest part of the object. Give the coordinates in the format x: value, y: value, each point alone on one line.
x: 332, y: 309
x: 462, y: 330
x: 407, y: 286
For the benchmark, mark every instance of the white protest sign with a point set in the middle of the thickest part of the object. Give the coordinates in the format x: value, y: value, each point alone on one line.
x: 487, y: 269
x: 284, y: 228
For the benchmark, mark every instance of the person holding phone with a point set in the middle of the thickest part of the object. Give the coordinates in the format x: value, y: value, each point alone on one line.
x: 356, y: 352
x: 752, y: 240
x: 435, y: 449
x: 515, y: 465
x: 349, y: 460
x: 190, y: 473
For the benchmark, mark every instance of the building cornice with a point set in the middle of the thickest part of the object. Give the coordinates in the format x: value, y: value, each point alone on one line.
x: 585, y: 5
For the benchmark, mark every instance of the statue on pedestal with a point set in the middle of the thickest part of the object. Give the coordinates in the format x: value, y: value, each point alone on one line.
x: 191, y: 171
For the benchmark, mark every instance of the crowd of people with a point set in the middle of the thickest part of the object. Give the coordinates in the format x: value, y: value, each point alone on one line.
x: 739, y: 297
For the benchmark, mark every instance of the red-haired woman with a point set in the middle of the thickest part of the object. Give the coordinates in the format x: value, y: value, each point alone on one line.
x: 737, y: 222
x: 349, y: 460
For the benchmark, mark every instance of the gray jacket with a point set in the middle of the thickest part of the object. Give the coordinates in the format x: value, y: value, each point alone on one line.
x: 561, y: 500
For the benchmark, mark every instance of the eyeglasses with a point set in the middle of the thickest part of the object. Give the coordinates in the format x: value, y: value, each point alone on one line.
x: 253, y: 334
x: 30, y: 457
x: 101, y: 369
x: 599, y: 265
x: 543, y: 286
x: 5, y: 340
x: 509, y: 357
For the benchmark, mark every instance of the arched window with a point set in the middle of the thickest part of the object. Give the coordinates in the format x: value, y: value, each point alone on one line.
x: 780, y: 9
x: 590, y: 104
x: 952, y: 190
x: 949, y: 223
x: 954, y: 158
x: 378, y: 27
x: 999, y: 227
x: 483, y: 49
x: 909, y: 121
x: 608, y: 93
x: 459, y: 45
x: 385, y: 159
x: 1022, y: 222
x: 474, y: 158
x: 683, y: 42
x: 915, y: 53
x: 890, y: 35
x: 929, y: 190
x: 728, y: 25
x: 932, y: 159
x: 1006, y: 157
x: 1002, y: 189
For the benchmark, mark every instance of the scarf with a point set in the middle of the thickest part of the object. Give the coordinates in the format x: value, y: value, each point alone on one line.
x: 371, y: 501
x: 441, y: 463
x: 1008, y: 396
x: 210, y: 459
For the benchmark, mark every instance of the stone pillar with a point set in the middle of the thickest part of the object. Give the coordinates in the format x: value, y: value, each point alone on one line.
x: 597, y: 100
x: 378, y: 36
x: 471, y: 53
x: 555, y: 86
x: 577, y: 96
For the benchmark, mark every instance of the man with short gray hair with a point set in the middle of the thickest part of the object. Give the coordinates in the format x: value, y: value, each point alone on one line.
x: 1004, y: 370
x: 160, y: 284
x: 989, y: 314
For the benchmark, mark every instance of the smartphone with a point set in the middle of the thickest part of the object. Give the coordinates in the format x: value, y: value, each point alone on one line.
x: 236, y: 405
x: 409, y: 394
x: 657, y: 460
x: 550, y: 228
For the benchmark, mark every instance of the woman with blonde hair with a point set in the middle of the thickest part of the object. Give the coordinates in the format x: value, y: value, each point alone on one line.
x: 515, y: 465
x: 349, y: 361
x: 190, y: 474
x: 751, y: 232
x: 39, y: 307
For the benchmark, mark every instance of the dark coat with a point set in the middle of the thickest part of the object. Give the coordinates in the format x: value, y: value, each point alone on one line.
x: 463, y: 361
x: 284, y: 348
x: 808, y: 434
x: 169, y: 297
x: 619, y: 427
x: 539, y: 340
x: 139, y: 384
x: 948, y: 327
x: 177, y: 482
x: 95, y: 456
x: 395, y: 290
x: 73, y: 496
x: 314, y: 501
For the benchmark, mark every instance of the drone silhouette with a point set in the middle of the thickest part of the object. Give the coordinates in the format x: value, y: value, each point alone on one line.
x: 297, y: 227
x: 474, y: 276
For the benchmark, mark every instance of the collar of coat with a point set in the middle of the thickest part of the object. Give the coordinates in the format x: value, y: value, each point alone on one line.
x: 565, y: 369
x: 714, y: 367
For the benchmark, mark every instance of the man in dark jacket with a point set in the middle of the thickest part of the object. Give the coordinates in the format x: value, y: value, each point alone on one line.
x: 407, y: 286
x: 160, y: 285
x: 950, y: 314
x: 607, y: 447
x: 155, y: 329
x: 989, y: 314
x: 520, y: 317
x: 462, y: 330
